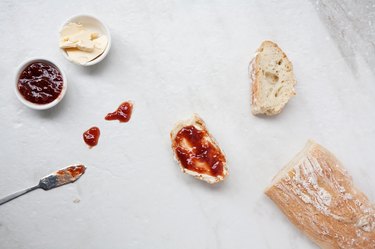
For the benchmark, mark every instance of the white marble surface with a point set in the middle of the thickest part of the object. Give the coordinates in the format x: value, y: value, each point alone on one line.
x: 173, y: 58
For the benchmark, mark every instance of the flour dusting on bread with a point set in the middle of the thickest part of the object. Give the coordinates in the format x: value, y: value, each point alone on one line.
x: 318, y: 196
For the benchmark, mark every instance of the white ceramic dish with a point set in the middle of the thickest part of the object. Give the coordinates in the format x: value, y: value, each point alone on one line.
x: 93, y: 24
x: 40, y: 106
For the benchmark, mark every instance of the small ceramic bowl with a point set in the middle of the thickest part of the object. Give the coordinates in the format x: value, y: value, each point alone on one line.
x: 92, y: 24
x: 34, y: 105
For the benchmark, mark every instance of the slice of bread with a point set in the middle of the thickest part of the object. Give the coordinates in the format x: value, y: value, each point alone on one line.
x: 273, y: 80
x: 197, y: 152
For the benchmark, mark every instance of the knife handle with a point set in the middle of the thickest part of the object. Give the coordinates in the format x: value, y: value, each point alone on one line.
x: 17, y: 194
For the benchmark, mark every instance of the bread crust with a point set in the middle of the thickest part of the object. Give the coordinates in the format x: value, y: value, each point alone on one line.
x: 199, y: 124
x: 318, y: 196
x: 258, y: 104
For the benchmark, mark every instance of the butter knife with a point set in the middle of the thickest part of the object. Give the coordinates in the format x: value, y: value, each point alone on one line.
x: 56, y: 179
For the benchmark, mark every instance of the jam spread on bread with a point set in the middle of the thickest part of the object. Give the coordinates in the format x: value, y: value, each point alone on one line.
x: 91, y: 136
x: 197, y: 153
x: 40, y: 83
x: 122, y: 114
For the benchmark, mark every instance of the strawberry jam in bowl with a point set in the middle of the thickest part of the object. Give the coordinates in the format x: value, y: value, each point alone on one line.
x: 40, y: 84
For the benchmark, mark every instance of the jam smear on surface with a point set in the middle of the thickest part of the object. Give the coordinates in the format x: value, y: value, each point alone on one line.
x: 40, y: 83
x: 122, y: 114
x: 201, y: 156
x: 91, y: 136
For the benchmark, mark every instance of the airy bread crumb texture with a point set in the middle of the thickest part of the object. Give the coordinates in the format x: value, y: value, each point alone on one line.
x: 273, y: 80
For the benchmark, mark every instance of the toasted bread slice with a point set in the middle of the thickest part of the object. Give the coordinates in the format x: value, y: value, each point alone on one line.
x: 318, y: 196
x: 197, y: 152
x: 273, y: 80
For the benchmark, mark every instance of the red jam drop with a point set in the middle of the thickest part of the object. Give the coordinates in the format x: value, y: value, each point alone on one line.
x: 122, y: 114
x: 40, y: 83
x: 203, y: 156
x: 91, y: 136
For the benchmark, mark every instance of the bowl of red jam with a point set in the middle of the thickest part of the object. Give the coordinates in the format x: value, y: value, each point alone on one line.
x: 40, y: 84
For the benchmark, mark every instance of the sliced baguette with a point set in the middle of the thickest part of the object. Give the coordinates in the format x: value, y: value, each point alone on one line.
x: 317, y: 195
x: 198, y: 124
x: 272, y: 78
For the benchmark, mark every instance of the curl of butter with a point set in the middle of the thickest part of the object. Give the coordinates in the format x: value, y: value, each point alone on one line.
x: 80, y: 44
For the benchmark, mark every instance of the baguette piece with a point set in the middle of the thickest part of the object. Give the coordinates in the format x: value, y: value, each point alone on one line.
x: 272, y: 78
x: 197, y: 152
x: 317, y: 195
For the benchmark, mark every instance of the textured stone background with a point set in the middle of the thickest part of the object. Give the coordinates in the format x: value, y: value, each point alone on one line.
x: 351, y: 24
x: 173, y: 58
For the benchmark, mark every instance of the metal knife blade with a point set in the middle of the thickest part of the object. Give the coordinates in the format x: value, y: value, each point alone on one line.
x: 62, y: 176
x: 56, y: 179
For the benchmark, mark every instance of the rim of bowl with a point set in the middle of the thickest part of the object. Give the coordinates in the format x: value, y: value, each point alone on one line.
x: 32, y: 105
x: 107, y: 33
